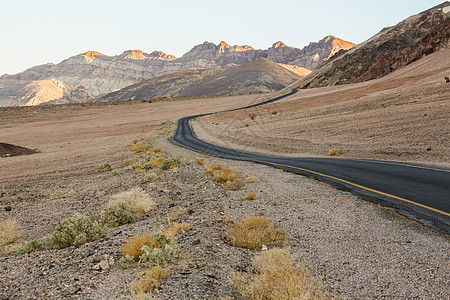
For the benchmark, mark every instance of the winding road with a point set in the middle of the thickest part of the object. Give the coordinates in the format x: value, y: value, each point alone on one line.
x: 418, y: 192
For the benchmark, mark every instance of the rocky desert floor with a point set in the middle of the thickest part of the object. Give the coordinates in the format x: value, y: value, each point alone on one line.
x: 359, y: 250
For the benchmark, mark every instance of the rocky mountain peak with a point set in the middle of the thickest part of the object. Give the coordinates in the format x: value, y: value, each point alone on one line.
x: 279, y: 44
x: 134, y: 54
x: 161, y: 55
x: 90, y: 55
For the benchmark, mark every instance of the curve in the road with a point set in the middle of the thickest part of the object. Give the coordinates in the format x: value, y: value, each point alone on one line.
x: 418, y: 192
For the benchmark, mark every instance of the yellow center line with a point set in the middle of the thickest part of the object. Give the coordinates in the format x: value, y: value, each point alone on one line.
x: 329, y: 176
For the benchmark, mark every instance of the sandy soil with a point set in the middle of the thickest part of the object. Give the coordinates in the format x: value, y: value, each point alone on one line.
x: 403, y: 116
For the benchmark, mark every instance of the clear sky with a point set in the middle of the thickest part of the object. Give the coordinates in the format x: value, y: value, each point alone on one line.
x: 34, y: 32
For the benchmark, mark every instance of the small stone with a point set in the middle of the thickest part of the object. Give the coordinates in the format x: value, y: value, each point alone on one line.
x: 196, y: 242
x: 429, y: 149
x: 8, y: 208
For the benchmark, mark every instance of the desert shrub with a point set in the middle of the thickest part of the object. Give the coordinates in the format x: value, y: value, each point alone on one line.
x: 175, y: 229
x: 223, y: 175
x: 159, y: 256
x: 78, y: 229
x: 141, y: 146
x: 214, y: 167
x: 252, y: 179
x: 115, y: 173
x: 276, y: 277
x: 155, y: 161
x: 133, y: 162
x: 104, y: 168
x: 34, y: 245
x: 157, y: 150
x: 10, y: 232
x: 137, y: 198
x: 249, y: 196
x: 200, y: 160
x: 170, y: 163
x: 147, y: 282
x: 236, y: 184
x: 118, y: 214
x: 334, y: 152
x: 147, y: 166
x: 147, y: 178
x: 254, y: 232
x: 133, y: 247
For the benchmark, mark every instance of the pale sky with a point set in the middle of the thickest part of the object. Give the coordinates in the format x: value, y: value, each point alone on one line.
x: 35, y: 32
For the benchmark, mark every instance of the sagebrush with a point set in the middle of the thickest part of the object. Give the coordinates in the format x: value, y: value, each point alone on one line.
x: 118, y: 214
x: 254, y: 232
x: 78, y: 229
x: 10, y: 232
x: 275, y: 277
x: 137, y: 198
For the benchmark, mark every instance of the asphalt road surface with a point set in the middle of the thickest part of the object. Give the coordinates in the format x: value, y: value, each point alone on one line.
x: 418, y: 192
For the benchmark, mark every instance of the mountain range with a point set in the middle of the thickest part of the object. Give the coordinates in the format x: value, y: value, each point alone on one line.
x: 92, y: 74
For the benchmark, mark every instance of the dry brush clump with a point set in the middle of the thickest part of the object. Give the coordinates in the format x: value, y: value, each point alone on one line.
x: 223, y: 175
x: 275, y: 277
x: 254, y: 232
x: 133, y: 246
x: 118, y: 214
x: 137, y: 198
x: 249, y: 196
x: 78, y: 229
x: 252, y: 179
x: 10, y: 232
x: 147, y: 281
x: 200, y: 160
x: 335, y: 152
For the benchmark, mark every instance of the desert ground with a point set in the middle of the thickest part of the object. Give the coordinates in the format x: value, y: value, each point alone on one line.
x: 403, y: 116
x: 357, y: 249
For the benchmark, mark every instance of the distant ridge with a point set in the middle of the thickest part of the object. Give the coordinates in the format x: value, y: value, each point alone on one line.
x: 258, y: 76
x: 391, y: 49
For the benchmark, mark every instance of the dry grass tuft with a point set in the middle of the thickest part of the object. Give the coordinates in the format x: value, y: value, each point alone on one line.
x: 200, y: 160
x: 137, y: 198
x: 254, y: 232
x: 148, y: 281
x: 214, y: 167
x: 132, y: 246
x: 156, y: 161
x: 157, y: 150
x: 223, y: 175
x: 175, y: 229
x: 235, y: 184
x: 141, y: 146
x: 276, y: 277
x: 252, y: 179
x: 334, y: 152
x: 10, y: 232
x: 249, y: 196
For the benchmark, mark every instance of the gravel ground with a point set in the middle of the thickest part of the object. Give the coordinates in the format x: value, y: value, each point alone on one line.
x: 360, y: 250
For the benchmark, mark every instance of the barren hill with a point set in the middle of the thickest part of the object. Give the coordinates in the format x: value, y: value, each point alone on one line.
x: 389, y: 50
x: 258, y: 76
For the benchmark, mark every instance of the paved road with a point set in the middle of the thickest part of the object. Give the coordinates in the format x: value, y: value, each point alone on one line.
x: 418, y: 192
